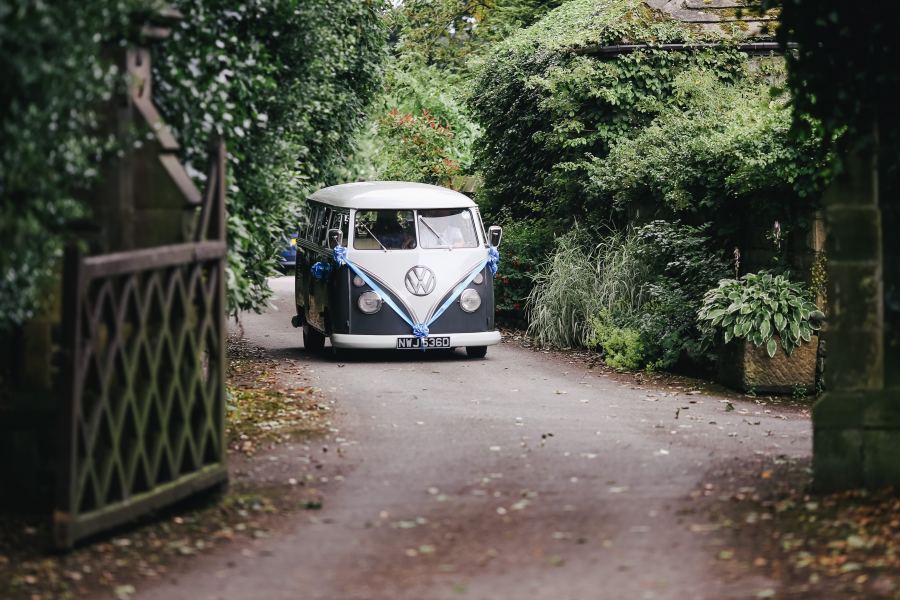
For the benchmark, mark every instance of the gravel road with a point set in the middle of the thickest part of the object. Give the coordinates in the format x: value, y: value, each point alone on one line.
x: 525, y: 475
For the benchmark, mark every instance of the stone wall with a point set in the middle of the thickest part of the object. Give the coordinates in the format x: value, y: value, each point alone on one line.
x: 856, y: 423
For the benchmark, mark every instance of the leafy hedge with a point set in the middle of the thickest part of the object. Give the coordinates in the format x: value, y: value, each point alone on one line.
x: 634, y: 296
x: 51, y: 146
x: 574, y: 135
x: 287, y: 83
x: 546, y: 109
x: 726, y: 155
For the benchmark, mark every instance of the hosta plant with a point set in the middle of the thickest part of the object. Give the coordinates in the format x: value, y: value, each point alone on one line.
x: 760, y: 307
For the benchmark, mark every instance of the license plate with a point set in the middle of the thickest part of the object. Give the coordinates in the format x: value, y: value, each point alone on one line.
x: 414, y: 343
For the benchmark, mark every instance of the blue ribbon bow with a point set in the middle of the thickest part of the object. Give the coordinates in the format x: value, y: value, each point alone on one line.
x: 340, y: 255
x: 320, y: 270
x: 493, y: 259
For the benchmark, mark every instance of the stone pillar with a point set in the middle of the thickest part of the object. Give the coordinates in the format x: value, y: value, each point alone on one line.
x: 856, y: 425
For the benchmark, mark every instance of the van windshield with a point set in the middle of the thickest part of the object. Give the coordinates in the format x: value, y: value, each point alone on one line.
x: 384, y: 230
x: 447, y: 228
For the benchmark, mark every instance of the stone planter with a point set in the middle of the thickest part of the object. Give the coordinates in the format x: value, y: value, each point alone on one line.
x: 745, y: 367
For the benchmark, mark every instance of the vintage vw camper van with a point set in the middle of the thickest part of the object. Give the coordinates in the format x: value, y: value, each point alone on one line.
x: 397, y: 265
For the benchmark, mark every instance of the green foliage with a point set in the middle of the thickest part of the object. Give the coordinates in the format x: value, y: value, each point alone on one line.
x: 447, y: 33
x: 526, y: 244
x: 575, y: 285
x: 416, y: 97
x: 53, y: 78
x: 727, y: 152
x: 417, y: 148
x: 287, y: 83
x: 683, y: 265
x: 760, y: 307
x: 546, y: 109
x: 564, y: 296
x: 622, y: 348
x: 842, y: 72
x: 649, y: 280
x: 436, y: 42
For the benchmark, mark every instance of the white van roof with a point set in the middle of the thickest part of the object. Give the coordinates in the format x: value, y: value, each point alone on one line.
x: 391, y: 194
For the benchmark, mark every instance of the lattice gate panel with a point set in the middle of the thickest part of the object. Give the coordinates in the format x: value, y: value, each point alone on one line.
x: 146, y: 363
x: 143, y: 414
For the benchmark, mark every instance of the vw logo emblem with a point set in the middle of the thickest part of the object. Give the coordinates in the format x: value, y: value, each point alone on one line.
x: 420, y: 280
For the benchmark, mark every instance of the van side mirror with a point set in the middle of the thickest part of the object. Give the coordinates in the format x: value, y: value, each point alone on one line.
x: 495, y: 234
x: 335, y: 238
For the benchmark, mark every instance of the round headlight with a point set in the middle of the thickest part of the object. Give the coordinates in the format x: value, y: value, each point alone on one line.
x: 469, y: 300
x: 369, y: 302
x: 479, y: 279
x: 357, y: 281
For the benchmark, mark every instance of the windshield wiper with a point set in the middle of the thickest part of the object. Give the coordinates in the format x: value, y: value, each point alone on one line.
x: 436, y: 234
x: 373, y: 236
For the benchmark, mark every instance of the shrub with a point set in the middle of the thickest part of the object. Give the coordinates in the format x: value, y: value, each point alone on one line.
x: 416, y: 148
x: 546, y: 109
x: 683, y: 265
x: 576, y: 284
x: 287, y: 84
x: 758, y: 307
x: 416, y: 90
x: 564, y: 296
x: 526, y: 244
x: 623, y: 348
x: 649, y: 281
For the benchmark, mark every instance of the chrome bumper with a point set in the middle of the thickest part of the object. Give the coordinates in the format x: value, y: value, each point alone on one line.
x: 376, y: 342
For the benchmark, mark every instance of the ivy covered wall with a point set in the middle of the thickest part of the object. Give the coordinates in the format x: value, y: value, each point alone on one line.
x: 572, y: 134
x: 285, y: 82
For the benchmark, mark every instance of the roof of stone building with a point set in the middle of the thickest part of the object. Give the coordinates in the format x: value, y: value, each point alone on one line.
x: 720, y: 15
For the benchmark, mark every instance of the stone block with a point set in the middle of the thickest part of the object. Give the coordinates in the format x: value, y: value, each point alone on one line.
x: 840, y: 410
x: 882, y: 410
x: 881, y: 448
x: 855, y: 360
x: 837, y: 459
x: 744, y: 366
x: 854, y: 233
x: 854, y: 296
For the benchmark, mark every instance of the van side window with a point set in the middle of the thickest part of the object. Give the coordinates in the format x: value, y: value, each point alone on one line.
x: 308, y: 228
x: 324, y: 223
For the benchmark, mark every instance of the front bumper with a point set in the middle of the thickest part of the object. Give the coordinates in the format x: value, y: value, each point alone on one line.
x: 384, y: 342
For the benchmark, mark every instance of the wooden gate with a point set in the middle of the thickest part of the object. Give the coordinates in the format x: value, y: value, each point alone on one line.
x: 142, y: 424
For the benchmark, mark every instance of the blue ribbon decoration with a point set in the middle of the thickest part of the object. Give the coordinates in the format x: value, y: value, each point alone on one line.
x: 340, y: 255
x: 420, y: 330
x: 493, y: 261
x: 320, y: 270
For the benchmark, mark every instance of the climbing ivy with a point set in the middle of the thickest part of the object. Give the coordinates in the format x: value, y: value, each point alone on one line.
x: 53, y: 78
x: 727, y: 155
x: 548, y: 107
x: 287, y: 83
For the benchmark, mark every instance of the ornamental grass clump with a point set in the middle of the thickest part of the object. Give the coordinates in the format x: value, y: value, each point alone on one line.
x: 760, y: 307
x: 564, y: 296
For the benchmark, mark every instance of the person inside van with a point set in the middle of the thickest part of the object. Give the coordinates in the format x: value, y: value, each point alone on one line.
x: 384, y: 229
x: 446, y: 228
